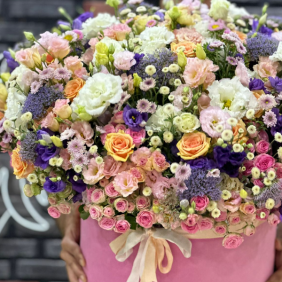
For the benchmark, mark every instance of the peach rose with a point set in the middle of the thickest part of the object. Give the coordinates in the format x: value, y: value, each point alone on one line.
x: 21, y: 168
x: 257, y: 94
x: 248, y: 208
x: 119, y: 145
x: 193, y: 145
x: 59, y: 47
x: 266, y: 67
x: 240, y: 137
x: 187, y: 47
x: 73, y: 63
x: 73, y: 87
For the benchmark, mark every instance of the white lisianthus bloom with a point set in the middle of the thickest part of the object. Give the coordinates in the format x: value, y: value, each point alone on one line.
x: 189, y: 123
x: 235, y: 11
x: 232, y: 96
x: 98, y: 93
x: 158, y: 120
x: 155, y: 38
x: 219, y: 9
x: 202, y: 28
x: 277, y: 56
x: 92, y: 26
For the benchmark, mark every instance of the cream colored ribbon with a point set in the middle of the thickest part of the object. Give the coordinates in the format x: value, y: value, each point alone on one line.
x: 152, y: 251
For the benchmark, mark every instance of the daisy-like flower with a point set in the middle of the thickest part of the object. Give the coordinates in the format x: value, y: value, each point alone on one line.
x: 62, y: 74
x: 67, y: 134
x: 232, y: 61
x: 151, y: 23
x: 147, y: 84
x: 79, y: 160
x: 240, y: 47
x: 181, y: 187
x: 35, y: 86
x: 46, y: 74
x: 75, y: 146
x: 70, y: 36
x: 267, y: 102
x: 269, y: 119
x: 183, y: 172
x: 216, y: 44
x: 216, y: 25
x: 143, y: 106
x: 152, y: 108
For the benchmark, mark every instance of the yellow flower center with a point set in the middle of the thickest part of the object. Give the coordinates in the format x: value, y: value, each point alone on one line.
x: 227, y: 103
x: 69, y: 37
x: 215, y: 26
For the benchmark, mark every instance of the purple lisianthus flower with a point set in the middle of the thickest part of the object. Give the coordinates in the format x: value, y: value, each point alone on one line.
x: 276, y: 83
x: 221, y: 155
x: 63, y: 23
x: 230, y: 169
x: 138, y: 58
x: 12, y: 64
x: 237, y: 159
x: 160, y: 14
x: 278, y: 126
x: 256, y: 84
x: 263, y: 29
x: 133, y: 118
x: 77, y: 197
x: 54, y: 187
x: 77, y: 185
x: 77, y: 23
x: 202, y: 162
x: 44, y: 154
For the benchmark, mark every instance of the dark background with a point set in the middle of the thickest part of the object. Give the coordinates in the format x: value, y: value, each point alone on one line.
x: 25, y: 254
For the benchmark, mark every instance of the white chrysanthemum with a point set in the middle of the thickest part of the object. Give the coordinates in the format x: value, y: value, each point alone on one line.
x: 255, y: 173
x: 147, y: 191
x: 168, y: 136
x: 225, y: 195
x: 98, y: 93
x: 250, y: 156
x: 32, y: 178
x: 256, y: 190
x: 156, y: 141
x: 269, y: 204
x: 216, y: 213
x: 189, y: 123
x: 232, y: 96
x: 92, y: 26
x: 277, y: 56
x: 155, y: 38
x: 278, y: 137
x: 173, y: 167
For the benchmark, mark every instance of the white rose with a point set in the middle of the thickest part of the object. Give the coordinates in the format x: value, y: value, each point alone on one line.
x: 219, y: 9
x: 98, y: 93
x: 155, y: 38
x: 189, y: 123
x: 277, y: 56
x: 231, y: 96
x: 92, y: 26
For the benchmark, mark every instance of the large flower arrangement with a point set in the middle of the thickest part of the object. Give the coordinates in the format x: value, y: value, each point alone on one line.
x: 152, y: 118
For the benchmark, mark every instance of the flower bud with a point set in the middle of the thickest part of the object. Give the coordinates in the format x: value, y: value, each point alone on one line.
x: 29, y: 36
x: 183, y: 216
x: 200, y: 53
x: 57, y: 141
x: 174, y: 13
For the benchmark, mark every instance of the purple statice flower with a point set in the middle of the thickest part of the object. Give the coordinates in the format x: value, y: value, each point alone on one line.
x: 267, y: 102
x: 261, y: 45
x: 143, y: 105
x: 256, y: 84
x: 133, y: 118
x: 76, y: 146
x: 200, y: 185
x: 270, y: 119
x: 274, y: 192
x: 54, y: 187
x: 39, y: 104
x: 232, y: 61
x: 62, y: 74
x: 183, y: 172
x: 263, y: 29
x: 147, y: 84
x: 160, y: 58
x: 77, y: 185
x: 276, y: 83
x: 12, y: 64
x: 35, y: 86
x: 46, y: 74
x: 28, y: 147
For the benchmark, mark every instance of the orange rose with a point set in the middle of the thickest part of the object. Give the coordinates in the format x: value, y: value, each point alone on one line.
x: 193, y: 145
x: 257, y: 94
x: 21, y: 168
x: 241, y: 35
x: 119, y: 145
x: 187, y: 47
x: 240, y: 137
x: 73, y: 87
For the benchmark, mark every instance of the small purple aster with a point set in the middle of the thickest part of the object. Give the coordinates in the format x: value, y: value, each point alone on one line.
x: 183, y: 172
x: 147, y: 84
x: 152, y: 108
x: 267, y: 102
x: 181, y: 187
x: 35, y: 86
x: 62, y: 74
x: 143, y: 106
x: 79, y: 159
x: 269, y: 119
x: 232, y: 61
x: 76, y: 146
x: 7, y: 138
x: 46, y: 74
x: 216, y: 44
x: 240, y: 47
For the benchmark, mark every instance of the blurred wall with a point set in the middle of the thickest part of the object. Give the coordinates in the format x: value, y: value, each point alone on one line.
x: 29, y: 239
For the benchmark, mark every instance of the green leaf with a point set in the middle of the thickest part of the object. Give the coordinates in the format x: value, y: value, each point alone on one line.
x: 131, y: 219
x: 83, y: 214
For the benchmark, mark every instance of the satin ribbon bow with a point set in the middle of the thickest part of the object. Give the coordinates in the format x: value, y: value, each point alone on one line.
x: 152, y: 251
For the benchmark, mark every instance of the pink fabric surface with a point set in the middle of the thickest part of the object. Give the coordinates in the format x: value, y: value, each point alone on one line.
x: 253, y: 261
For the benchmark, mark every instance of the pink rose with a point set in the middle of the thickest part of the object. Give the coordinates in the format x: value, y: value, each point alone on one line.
x: 233, y: 218
x: 122, y: 226
x: 111, y: 191
x: 263, y: 210
x: 142, y: 202
x: 54, y: 212
x: 262, y: 135
x: 98, y: 196
x: 112, y: 167
x: 73, y: 63
x: 264, y: 162
x: 220, y: 228
x: 108, y: 211
x: 118, y: 117
x: 192, y: 219
x: 104, y: 182
x: 249, y: 230
x: 222, y: 217
x: 62, y: 108
x: 107, y: 223
x: 96, y: 212
x: 248, y: 165
x: 278, y: 169
x: 121, y: 205
x: 232, y: 241
x: 258, y: 182
x: 248, y: 208
x: 59, y: 47
x: 201, y: 202
x: 233, y: 204
x: 146, y: 219
x: 64, y: 208
x: 131, y: 207
x: 190, y: 229
x: 273, y: 219
x: 50, y: 122
x: 205, y: 223
x: 137, y: 136
x: 159, y: 162
x: 124, y: 60
x: 262, y: 147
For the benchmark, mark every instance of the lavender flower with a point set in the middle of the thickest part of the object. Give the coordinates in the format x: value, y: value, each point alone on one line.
x: 46, y: 74
x: 148, y: 84
x: 261, y: 45
x: 143, y: 106
x: 269, y: 119
x: 38, y: 104
x: 62, y: 74
x: 267, y: 102
x: 200, y: 185
x: 183, y: 172
x: 274, y: 192
x: 28, y: 147
x: 232, y: 61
